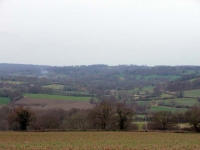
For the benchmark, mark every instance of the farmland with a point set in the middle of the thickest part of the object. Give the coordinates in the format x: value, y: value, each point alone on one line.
x: 57, y: 97
x: 142, y: 89
x: 98, y: 140
x: 46, y: 101
x: 39, y: 103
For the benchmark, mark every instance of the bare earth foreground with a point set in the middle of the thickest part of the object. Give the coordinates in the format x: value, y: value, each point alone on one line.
x: 54, y: 104
x: 99, y: 140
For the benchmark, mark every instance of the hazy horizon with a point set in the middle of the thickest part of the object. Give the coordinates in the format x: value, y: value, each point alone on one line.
x: 86, y: 32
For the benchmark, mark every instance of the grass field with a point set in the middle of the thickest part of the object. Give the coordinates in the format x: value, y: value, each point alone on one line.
x: 55, y: 86
x: 99, y: 140
x: 4, y: 101
x: 57, y: 97
x: 187, y: 101
x: 143, y: 90
x: 192, y: 93
x: 190, y: 72
x: 174, y: 77
x: 148, y: 88
x: 162, y: 108
x: 180, y: 101
x: 143, y: 102
x: 166, y: 95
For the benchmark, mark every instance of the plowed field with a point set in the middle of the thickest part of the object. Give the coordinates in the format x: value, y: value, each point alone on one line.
x: 99, y: 140
x: 37, y: 103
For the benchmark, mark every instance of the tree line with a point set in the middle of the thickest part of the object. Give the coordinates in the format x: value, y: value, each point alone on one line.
x: 105, y: 115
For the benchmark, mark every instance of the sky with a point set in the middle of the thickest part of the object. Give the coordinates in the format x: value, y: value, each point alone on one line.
x: 112, y: 32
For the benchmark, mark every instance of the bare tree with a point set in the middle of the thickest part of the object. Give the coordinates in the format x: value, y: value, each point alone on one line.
x: 102, y: 115
x: 49, y: 119
x: 157, y: 91
x: 193, y: 117
x: 20, y: 118
x: 124, y: 116
x: 162, y: 120
x: 78, y: 120
x: 172, y: 103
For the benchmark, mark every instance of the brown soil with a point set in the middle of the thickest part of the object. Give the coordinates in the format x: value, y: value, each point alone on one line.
x: 47, y: 104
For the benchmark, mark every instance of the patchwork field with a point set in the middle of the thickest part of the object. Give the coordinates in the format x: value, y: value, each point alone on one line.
x: 99, y: 140
x: 39, y: 103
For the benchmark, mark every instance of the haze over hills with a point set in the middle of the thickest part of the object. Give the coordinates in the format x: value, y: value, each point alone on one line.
x: 93, y: 32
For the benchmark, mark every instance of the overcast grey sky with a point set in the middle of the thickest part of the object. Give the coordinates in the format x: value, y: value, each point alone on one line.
x: 84, y: 32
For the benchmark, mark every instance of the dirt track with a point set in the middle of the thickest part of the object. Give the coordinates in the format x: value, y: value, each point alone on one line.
x: 47, y: 104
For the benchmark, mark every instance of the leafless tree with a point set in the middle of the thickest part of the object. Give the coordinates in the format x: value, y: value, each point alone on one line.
x: 124, y: 116
x: 20, y: 118
x: 102, y: 115
x: 162, y: 120
x: 193, y: 117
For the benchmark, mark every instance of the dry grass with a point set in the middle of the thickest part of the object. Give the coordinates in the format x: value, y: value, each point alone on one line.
x: 99, y: 140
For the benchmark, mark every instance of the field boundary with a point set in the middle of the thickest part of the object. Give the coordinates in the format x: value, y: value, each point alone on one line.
x: 99, y: 130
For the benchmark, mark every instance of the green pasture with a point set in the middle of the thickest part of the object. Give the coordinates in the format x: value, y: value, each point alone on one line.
x: 42, y: 76
x: 171, y: 77
x: 142, y: 91
x: 148, y: 88
x: 57, y: 97
x: 190, y: 72
x: 12, y: 82
x: 76, y: 92
x: 144, y: 102
x: 180, y: 101
x: 138, y: 77
x: 120, y: 76
x: 174, y: 77
x: 166, y: 95
x: 187, y: 101
x: 4, y: 101
x: 151, y: 77
x: 162, y: 108
x: 194, y: 79
x: 192, y: 93
x: 61, y: 76
x: 54, y: 86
